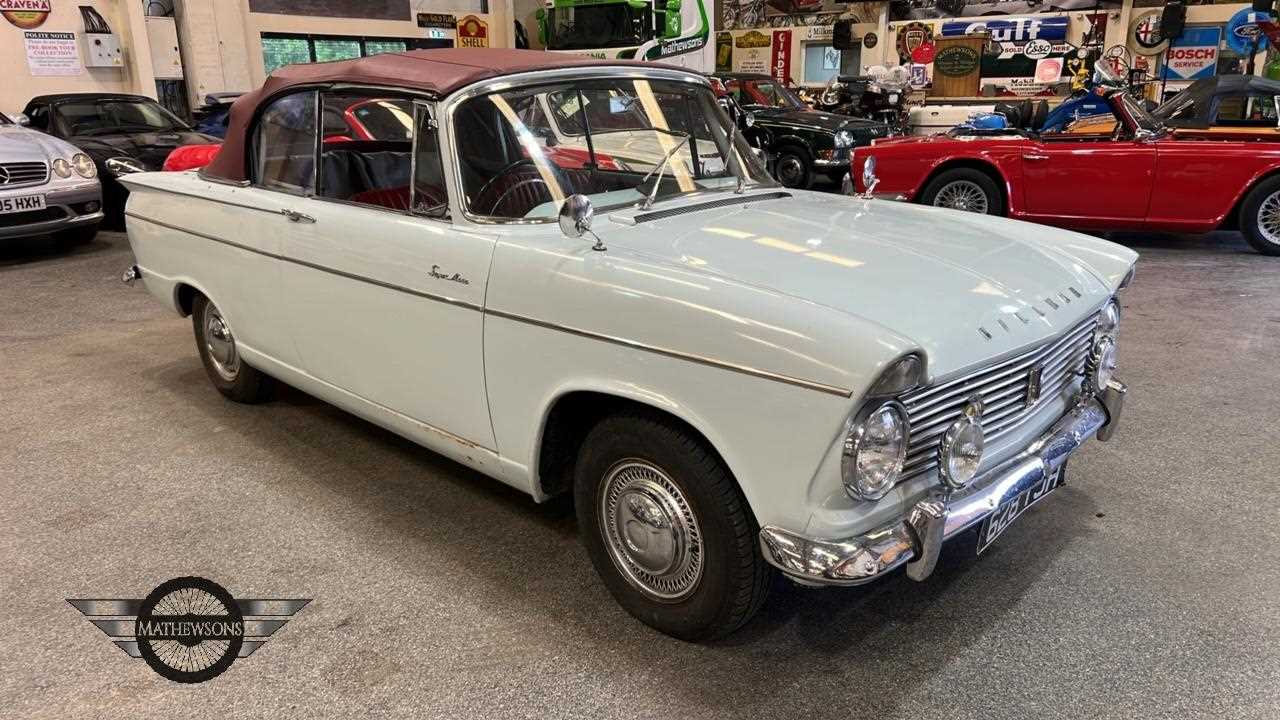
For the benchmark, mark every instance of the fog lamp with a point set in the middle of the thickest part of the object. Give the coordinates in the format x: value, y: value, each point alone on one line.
x: 960, y: 451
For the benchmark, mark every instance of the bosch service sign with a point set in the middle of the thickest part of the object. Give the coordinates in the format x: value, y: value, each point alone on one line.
x: 1194, y: 55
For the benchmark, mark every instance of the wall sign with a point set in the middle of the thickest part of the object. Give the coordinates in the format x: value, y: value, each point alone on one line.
x: 1243, y: 31
x: 437, y: 20
x: 913, y: 35
x: 26, y: 14
x: 724, y: 52
x: 956, y: 61
x: 1012, y: 30
x: 52, y: 53
x: 751, y: 52
x: 1037, y: 49
x: 1144, y: 34
x: 473, y: 32
x: 819, y: 33
x: 780, y: 68
x: 1194, y: 55
x: 869, y: 40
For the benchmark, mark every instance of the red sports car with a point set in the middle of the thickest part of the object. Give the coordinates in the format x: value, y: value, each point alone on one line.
x: 1137, y: 176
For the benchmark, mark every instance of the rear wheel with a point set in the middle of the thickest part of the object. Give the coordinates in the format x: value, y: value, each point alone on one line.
x: 1260, y: 217
x: 964, y: 189
x: 221, y: 357
x: 667, y: 528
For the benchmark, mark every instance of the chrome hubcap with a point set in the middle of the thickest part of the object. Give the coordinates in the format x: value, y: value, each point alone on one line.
x: 650, y: 531
x: 790, y: 170
x: 220, y: 344
x: 962, y: 195
x: 1269, y: 218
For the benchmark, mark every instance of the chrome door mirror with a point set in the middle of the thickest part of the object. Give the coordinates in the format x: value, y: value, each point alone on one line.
x: 22, y: 119
x: 576, y: 215
x: 1143, y: 135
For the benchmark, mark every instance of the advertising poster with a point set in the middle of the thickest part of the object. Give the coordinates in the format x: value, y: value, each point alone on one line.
x: 53, y: 53
x: 1194, y: 55
x: 780, y: 68
x: 751, y: 52
x: 1023, y: 53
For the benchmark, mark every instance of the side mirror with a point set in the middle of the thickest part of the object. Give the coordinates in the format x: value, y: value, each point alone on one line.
x: 22, y: 119
x: 576, y: 215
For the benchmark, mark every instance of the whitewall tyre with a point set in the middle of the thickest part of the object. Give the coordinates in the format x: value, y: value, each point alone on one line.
x: 216, y: 344
x: 667, y: 527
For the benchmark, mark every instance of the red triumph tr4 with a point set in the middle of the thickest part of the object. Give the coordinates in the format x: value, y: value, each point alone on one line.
x: 1134, y: 174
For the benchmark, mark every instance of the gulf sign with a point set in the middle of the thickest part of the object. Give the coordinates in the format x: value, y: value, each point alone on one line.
x: 1011, y: 30
x: 1194, y: 55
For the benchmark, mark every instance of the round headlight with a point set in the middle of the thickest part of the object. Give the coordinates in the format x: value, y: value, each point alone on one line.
x: 124, y: 165
x: 84, y: 165
x: 62, y: 168
x: 960, y: 452
x: 844, y: 138
x: 1109, y: 319
x: 874, y: 450
x: 1101, y: 365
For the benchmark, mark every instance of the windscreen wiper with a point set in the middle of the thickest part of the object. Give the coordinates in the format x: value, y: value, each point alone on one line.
x: 661, y: 169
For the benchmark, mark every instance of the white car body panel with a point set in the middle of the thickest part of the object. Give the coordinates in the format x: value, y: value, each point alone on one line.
x: 760, y: 323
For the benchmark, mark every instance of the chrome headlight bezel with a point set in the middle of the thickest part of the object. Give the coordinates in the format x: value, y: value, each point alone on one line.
x: 965, y: 431
x: 1100, y: 366
x: 61, y: 167
x: 858, y: 482
x: 1109, y: 318
x: 844, y: 138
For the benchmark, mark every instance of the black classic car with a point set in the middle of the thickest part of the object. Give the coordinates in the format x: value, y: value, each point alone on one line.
x: 802, y: 142
x: 122, y: 133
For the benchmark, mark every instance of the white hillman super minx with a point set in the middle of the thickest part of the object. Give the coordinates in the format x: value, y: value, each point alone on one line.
x: 731, y: 377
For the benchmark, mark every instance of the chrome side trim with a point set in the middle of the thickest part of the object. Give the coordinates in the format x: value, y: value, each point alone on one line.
x: 679, y: 355
x: 322, y: 268
x: 229, y: 203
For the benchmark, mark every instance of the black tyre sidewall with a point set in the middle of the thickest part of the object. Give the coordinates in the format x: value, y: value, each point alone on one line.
x: 995, y: 202
x: 711, y: 610
x: 1249, y: 216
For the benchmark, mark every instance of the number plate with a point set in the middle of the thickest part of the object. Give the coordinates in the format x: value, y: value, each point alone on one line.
x: 1000, y: 520
x: 21, y: 203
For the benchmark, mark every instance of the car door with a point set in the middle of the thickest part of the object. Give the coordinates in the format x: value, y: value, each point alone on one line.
x: 385, y: 295
x: 1088, y: 181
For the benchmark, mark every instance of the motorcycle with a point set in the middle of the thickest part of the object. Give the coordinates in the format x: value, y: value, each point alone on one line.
x: 880, y: 95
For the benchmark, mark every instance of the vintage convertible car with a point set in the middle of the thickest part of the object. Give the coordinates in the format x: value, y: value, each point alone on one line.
x: 1093, y: 176
x: 803, y: 142
x: 728, y: 376
x: 47, y: 186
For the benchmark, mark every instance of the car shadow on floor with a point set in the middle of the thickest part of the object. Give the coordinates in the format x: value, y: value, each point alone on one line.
x: 21, y: 251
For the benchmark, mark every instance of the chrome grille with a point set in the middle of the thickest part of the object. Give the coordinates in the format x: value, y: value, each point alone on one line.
x: 1004, y: 388
x: 23, y: 173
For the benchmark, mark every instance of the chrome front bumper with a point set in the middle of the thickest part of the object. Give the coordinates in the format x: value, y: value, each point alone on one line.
x: 916, y: 538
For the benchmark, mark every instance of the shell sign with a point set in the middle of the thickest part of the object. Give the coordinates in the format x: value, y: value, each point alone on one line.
x: 26, y: 14
x: 473, y: 32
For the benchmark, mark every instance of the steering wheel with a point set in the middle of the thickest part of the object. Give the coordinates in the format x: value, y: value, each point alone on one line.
x: 484, y: 189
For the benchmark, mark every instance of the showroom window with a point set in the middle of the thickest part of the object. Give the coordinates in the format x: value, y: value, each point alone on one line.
x: 823, y: 62
x: 279, y: 49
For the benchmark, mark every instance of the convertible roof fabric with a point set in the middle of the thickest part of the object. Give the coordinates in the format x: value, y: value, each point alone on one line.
x: 435, y: 72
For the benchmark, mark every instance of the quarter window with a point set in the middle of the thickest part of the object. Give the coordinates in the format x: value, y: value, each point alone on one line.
x: 284, y: 144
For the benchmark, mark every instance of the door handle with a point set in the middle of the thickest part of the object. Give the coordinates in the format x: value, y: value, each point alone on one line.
x: 295, y: 216
x: 1034, y: 156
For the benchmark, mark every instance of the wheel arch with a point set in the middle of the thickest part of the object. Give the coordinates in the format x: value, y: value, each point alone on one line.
x: 1231, y: 221
x: 983, y: 166
x: 572, y: 412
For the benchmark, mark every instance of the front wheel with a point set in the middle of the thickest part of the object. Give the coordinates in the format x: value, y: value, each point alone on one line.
x: 792, y: 168
x: 1260, y: 217
x: 964, y: 189
x: 667, y: 528
x: 221, y: 357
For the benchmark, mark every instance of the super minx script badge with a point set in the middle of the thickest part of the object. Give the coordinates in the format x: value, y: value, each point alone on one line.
x: 189, y: 629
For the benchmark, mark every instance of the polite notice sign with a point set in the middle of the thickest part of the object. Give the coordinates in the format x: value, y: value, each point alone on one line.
x: 1194, y: 55
x: 53, y: 53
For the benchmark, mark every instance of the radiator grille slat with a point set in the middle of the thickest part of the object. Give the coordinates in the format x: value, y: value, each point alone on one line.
x: 14, y: 174
x: 1004, y: 389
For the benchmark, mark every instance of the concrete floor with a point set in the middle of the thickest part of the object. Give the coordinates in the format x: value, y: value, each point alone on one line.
x: 1149, y: 587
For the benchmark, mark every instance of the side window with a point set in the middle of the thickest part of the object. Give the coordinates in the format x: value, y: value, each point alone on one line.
x: 429, y: 196
x: 1247, y: 111
x: 366, y: 155
x: 284, y: 144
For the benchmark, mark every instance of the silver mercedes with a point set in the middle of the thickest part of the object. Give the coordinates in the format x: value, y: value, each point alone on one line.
x: 47, y: 186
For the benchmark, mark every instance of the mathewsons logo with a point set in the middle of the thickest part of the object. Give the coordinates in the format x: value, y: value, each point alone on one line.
x: 26, y: 14
x: 189, y: 629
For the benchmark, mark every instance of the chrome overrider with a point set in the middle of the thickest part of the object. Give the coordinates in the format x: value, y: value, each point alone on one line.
x: 916, y: 538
